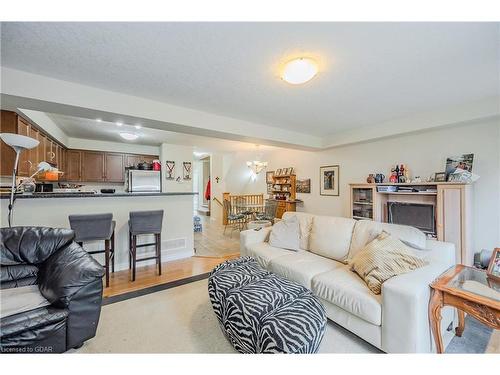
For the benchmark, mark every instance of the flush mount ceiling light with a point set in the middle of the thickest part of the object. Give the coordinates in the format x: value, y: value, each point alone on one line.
x: 299, y: 71
x: 138, y: 126
x: 129, y: 136
x: 119, y: 123
x: 98, y: 119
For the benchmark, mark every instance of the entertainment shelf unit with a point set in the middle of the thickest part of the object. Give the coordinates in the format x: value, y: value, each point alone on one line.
x: 452, y: 207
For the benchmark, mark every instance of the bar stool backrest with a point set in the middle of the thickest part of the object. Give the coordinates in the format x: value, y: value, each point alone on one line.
x: 146, y: 222
x: 91, y: 227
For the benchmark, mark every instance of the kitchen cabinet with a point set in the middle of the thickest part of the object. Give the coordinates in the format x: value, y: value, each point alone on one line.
x: 73, y: 166
x: 8, y: 124
x: 93, y: 166
x: 23, y: 168
x: 33, y: 153
x: 114, y: 167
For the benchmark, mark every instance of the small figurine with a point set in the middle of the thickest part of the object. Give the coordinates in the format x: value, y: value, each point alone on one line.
x: 370, y: 179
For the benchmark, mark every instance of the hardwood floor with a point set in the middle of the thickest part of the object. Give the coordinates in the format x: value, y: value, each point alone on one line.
x: 212, y: 248
x: 147, y: 276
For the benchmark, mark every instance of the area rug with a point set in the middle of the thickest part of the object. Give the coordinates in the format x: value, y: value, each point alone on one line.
x: 181, y: 320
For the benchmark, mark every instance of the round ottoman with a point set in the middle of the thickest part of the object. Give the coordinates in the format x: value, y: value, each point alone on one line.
x: 255, y: 224
x: 260, y: 312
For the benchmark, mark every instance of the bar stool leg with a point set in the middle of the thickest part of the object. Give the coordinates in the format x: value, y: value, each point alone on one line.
x: 106, y: 251
x: 158, y: 251
x: 113, y: 252
x: 129, y: 251
x: 134, y: 255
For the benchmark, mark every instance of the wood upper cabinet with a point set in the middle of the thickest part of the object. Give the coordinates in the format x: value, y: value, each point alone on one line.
x: 93, y: 166
x: 23, y: 168
x: 34, y: 158
x: 114, y: 167
x: 73, y: 167
x: 8, y: 124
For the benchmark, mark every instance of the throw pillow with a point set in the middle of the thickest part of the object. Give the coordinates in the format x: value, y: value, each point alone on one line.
x: 285, y: 234
x: 383, y: 258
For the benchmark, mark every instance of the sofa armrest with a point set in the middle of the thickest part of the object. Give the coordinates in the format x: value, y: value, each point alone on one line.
x: 440, y: 252
x: 65, y: 272
x: 405, y: 319
x: 251, y: 236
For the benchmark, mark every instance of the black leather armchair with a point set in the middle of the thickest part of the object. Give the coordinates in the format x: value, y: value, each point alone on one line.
x: 66, y: 275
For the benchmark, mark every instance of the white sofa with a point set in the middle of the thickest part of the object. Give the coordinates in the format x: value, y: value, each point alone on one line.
x: 396, y: 321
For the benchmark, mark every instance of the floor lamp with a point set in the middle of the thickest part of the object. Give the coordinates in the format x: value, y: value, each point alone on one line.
x: 19, y: 143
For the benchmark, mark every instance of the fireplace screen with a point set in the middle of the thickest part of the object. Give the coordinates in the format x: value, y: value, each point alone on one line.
x: 420, y: 216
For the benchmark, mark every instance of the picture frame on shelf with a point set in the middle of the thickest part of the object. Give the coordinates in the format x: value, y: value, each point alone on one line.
x: 285, y: 171
x: 291, y: 171
x: 329, y: 180
x: 278, y: 172
x: 440, y: 177
x: 493, y: 271
x: 461, y: 162
x: 269, y: 177
x: 270, y: 189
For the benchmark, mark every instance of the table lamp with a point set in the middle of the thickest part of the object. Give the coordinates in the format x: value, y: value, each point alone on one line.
x: 19, y: 143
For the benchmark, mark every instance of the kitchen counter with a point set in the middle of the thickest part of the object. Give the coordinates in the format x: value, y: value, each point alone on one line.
x: 53, y: 209
x: 91, y: 195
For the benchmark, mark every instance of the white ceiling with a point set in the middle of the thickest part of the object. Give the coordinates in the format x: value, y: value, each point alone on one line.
x: 370, y: 72
x: 76, y: 127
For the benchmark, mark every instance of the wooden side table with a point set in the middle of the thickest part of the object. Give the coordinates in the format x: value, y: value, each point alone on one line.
x: 470, y: 291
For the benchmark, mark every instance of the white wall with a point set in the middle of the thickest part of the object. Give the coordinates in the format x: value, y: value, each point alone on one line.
x: 179, y: 154
x: 424, y: 153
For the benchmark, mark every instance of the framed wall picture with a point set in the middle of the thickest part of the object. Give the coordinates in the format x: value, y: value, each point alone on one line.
x: 304, y: 186
x: 494, y: 266
x: 269, y: 177
x: 440, y: 177
x: 329, y: 180
x: 186, y: 170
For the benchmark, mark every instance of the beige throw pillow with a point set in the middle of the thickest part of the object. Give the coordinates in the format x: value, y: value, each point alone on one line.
x: 383, y: 258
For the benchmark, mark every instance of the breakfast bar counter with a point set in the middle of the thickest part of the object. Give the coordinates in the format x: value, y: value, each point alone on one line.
x: 53, y: 209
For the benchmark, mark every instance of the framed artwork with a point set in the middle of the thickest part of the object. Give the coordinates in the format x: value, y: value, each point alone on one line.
x: 494, y: 266
x: 269, y: 177
x: 440, y: 177
x: 278, y: 172
x: 170, y: 168
x: 186, y: 170
x: 462, y: 162
x: 329, y: 180
x: 304, y: 186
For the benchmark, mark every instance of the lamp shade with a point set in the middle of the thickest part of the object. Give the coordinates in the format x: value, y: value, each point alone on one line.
x: 19, y: 142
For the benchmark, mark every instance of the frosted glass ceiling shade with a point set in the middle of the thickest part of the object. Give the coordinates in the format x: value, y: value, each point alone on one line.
x: 19, y: 142
x: 129, y: 136
x: 299, y: 71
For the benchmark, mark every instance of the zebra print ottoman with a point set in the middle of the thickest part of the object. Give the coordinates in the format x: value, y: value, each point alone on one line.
x: 260, y: 312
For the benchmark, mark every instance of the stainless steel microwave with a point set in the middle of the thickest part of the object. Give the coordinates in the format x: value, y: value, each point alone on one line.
x: 143, y: 181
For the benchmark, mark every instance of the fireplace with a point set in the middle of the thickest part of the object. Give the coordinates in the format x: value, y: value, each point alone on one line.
x: 417, y: 215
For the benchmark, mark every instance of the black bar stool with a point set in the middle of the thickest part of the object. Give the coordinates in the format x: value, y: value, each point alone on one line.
x: 98, y: 227
x: 144, y: 222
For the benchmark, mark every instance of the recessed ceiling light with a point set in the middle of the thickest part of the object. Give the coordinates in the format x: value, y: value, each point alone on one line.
x: 129, y: 136
x: 98, y: 119
x: 138, y: 126
x: 119, y: 124
x: 299, y: 71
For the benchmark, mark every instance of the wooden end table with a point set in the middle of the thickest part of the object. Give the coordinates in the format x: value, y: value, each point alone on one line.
x: 470, y: 291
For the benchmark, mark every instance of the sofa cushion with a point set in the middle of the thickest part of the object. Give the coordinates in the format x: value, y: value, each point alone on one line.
x: 331, y: 236
x: 383, y: 258
x: 19, y: 300
x: 346, y: 290
x: 366, y: 231
x: 302, y: 267
x: 285, y: 234
x: 305, y: 226
x: 264, y: 253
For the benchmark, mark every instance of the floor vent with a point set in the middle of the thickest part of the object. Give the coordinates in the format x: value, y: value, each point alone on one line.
x: 178, y: 243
